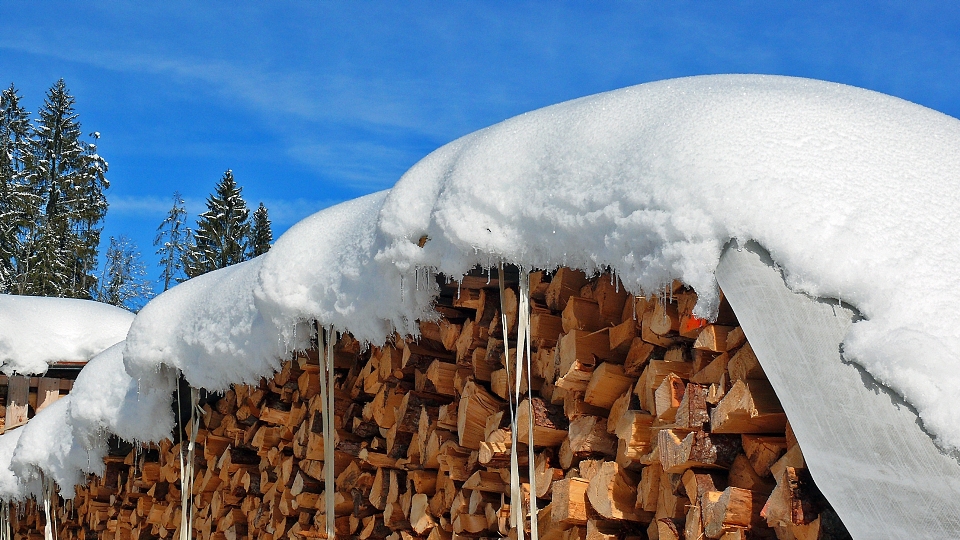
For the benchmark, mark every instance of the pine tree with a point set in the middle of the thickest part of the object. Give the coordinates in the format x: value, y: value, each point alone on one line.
x: 17, y: 206
x: 223, y: 231
x: 172, y: 239
x: 261, y: 236
x: 67, y: 176
x: 123, y: 281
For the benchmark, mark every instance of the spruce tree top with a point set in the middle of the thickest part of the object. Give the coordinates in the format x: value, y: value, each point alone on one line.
x: 223, y: 231
x: 262, y: 234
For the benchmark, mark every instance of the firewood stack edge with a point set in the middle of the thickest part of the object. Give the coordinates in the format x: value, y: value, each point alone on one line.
x: 648, y: 423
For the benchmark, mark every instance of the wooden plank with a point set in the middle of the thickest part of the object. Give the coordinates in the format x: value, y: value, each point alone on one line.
x: 48, y: 391
x: 18, y: 395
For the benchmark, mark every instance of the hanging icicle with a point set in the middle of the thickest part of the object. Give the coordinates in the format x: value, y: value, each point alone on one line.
x: 49, y: 491
x: 5, y: 532
x: 515, y: 372
x: 523, y: 342
x: 186, y: 468
x: 329, y: 433
x: 516, y: 514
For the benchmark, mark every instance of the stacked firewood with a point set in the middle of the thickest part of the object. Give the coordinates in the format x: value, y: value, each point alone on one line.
x: 647, y: 423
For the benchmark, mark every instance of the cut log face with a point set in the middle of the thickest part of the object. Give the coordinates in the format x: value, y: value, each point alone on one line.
x: 612, y: 493
x: 713, y: 337
x: 581, y: 314
x: 569, y: 501
x: 647, y: 422
x: 745, y: 365
x: 549, y: 423
x: 565, y: 283
x: 476, y: 404
x: 731, y: 510
x: 751, y: 406
x: 607, y: 383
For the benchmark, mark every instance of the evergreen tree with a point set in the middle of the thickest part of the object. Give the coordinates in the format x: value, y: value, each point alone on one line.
x: 223, y: 231
x: 262, y: 235
x: 172, y: 239
x: 17, y: 207
x: 67, y: 176
x: 123, y: 281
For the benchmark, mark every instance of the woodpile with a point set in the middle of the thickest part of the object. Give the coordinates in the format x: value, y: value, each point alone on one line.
x: 647, y: 423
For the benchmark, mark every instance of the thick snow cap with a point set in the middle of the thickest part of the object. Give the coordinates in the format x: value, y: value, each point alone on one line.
x: 37, y: 331
x: 854, y: 194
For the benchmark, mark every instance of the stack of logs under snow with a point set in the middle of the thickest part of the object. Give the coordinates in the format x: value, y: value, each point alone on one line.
x: 648, y: 423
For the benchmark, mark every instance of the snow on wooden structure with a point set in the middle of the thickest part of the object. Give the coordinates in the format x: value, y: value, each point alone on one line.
x: 44, y: 343
x: 632, y: 421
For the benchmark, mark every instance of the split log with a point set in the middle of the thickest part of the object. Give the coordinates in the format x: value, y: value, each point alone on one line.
x: 612, y: 493
x: 751, y: 406
x: 680, y: 451
x: 569, y: 501
x: 549, y: 423
x: 607, y: 383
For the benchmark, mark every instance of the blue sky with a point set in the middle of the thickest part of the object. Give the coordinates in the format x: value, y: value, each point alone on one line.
x: 313, y: 103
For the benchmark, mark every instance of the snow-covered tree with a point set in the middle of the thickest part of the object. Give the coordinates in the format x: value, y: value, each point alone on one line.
x: 67, y: 176
x: 262, y: 236
x: 223, y: 232
x: 123, y: 280
x: 172, y: 239
x: 17, y: 206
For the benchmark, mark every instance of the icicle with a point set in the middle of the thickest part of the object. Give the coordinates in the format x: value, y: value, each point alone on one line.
x: 50, y: 530
x: 186, y: 467
x: 516, y: 513
x: 327, y: 411
x: 522, y: 359
x: 523, y: 344
x: 5, y: 532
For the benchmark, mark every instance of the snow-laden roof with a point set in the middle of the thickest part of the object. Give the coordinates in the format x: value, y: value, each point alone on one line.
x: 37, y: 331
x: 854, y: 194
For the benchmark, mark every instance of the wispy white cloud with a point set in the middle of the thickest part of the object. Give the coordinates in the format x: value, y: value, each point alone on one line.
x: 363, y: 165
x: 303, y: 95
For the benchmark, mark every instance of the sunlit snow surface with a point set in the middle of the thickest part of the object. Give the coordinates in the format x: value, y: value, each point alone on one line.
x: 36, y: 331
x: 854, y: 194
